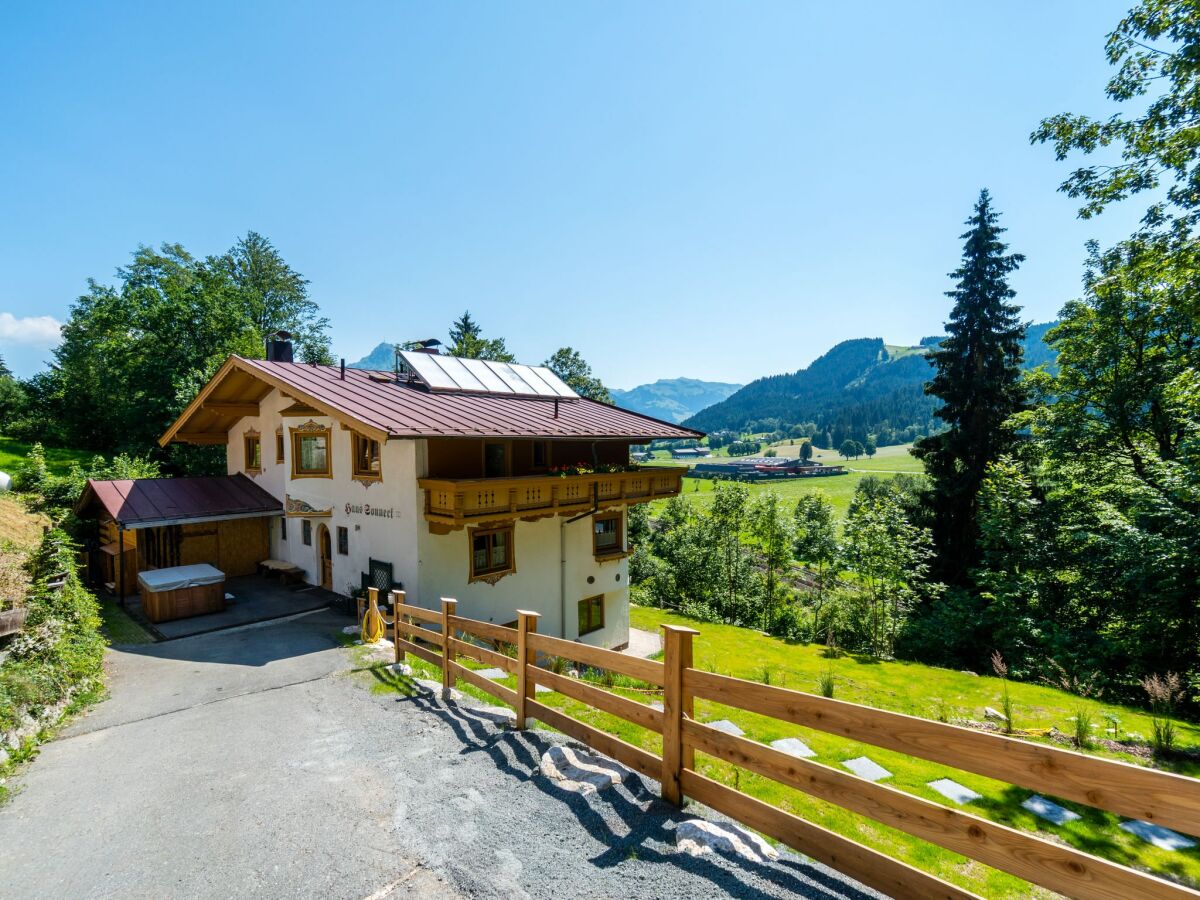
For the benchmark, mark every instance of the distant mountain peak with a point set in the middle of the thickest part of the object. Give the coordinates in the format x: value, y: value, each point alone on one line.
x: 673, y: 399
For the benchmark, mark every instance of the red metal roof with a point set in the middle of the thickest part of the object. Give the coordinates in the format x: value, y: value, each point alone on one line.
x: 147, y: 502
x: 409, y: 410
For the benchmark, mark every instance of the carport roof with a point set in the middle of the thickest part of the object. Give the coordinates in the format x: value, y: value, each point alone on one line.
x: 151, y: 502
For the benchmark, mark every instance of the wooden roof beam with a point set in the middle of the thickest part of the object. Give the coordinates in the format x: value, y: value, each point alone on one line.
x: 201, y: 437
x: 231, y: 407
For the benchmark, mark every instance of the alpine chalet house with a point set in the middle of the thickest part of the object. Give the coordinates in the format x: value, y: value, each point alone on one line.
x: 491, y: 483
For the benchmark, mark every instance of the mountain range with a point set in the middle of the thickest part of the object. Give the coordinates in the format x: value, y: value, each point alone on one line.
x: 860, y: 386
x: 673, y: 399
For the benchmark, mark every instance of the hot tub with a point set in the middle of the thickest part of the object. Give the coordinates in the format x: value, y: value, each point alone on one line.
x: 181, y: 592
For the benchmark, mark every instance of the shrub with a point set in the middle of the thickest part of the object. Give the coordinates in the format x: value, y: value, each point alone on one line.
x: 1165, y: 693
x: 60, y: 647
x: 825, y: 683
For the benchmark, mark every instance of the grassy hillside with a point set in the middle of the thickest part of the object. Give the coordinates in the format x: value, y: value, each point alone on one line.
x: 58, y: 461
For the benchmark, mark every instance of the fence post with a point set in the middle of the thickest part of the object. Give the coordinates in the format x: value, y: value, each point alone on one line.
x: 360, y: 604
x: 677, y: 646
x: 526, y: 622
x: 397, y: 602
x: 448, y: 608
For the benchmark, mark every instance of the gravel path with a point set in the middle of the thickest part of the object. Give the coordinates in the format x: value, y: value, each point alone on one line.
x: 249, y: 764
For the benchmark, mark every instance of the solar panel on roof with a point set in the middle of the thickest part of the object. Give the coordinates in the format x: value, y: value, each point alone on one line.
x: 460, y: 374
x: 433, y: 375
x: 478, y: 376
x: 492, y: 382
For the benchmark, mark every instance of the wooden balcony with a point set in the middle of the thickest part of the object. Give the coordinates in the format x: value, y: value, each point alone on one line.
x: 455, y: 502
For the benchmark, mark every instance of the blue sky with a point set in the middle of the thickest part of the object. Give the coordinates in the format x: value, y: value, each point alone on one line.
x: 714, y: 190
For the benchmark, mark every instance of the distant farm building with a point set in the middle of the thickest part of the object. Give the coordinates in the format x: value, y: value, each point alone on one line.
x: 762, y: 469
x: 690, y: 452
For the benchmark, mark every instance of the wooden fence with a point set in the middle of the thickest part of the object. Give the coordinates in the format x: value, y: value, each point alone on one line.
x: 1128, y: 790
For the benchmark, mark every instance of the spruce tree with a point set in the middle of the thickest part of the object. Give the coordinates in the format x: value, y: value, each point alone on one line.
x: 978, y: 380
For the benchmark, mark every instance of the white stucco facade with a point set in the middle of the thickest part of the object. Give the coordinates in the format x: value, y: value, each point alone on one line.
x: 555, y: 566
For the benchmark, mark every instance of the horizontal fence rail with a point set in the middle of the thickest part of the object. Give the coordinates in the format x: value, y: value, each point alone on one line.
x: 1154, y: 796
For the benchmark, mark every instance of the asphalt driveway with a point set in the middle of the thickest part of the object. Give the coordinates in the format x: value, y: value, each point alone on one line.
x: 251, y: 764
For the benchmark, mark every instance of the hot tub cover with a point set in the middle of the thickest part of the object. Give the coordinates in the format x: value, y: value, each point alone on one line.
x: 157, y: 580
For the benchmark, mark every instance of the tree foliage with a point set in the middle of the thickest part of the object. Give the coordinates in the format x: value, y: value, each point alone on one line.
x: 135, y: 353
x: 568, y: 365
x: 467, y: 341
x: 1156, y: 52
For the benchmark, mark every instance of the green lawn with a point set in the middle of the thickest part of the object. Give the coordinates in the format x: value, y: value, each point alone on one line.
x: 58, y: 461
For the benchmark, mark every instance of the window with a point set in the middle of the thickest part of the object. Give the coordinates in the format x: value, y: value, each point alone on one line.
x: 310, y: 451
x: 366, y: 457
x: 343, y: 540
x: 283, y: 529
x: 606, y: 535
x: 495, y: 460
x: 253, y: 452
x: 491, y: 552
x: 306, y: 532
x: 279, y: 446
x: 591, y: 614
x: 541, y: 454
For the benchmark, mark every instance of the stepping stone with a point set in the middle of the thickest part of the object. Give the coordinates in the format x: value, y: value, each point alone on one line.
x: 697, y: 837
x: 795, y: 747
x: 726, y: 726
x: 865, y: 767
x: 1163, y: 838
x: 542, y: 689
x: 492, y: 674
x: 435, y: 687
x: 1049, y: 810
x: 658, y: 706
x: 580, y: 772
x: 498, y: 715
x: 952, y: 790
x: 403, y: 669
x: 350, y: 629
x: 990, y: 712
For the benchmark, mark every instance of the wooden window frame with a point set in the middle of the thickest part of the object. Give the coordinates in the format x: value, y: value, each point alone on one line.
x: 309, y: 430
x: 619, y: 550
x: 252, y: 439
x: 579, y: 614
x: 279, y: 445
x: 343, y: 540
x: 356, y: 473
x: 306, y: 537
x: 491, y: 575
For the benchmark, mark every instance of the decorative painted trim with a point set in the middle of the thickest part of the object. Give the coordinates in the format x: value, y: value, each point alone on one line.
x: 294, y: 506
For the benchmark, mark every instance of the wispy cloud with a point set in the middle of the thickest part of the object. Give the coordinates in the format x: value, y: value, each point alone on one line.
x: 36, y: 331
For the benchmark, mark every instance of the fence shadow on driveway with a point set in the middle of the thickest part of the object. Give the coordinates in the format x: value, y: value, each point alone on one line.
x: 630, y: 818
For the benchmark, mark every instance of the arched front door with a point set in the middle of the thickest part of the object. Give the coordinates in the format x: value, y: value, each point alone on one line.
x: 325, y: 557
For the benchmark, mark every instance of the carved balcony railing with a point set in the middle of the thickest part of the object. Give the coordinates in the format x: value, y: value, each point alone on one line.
x: 455, y: 502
